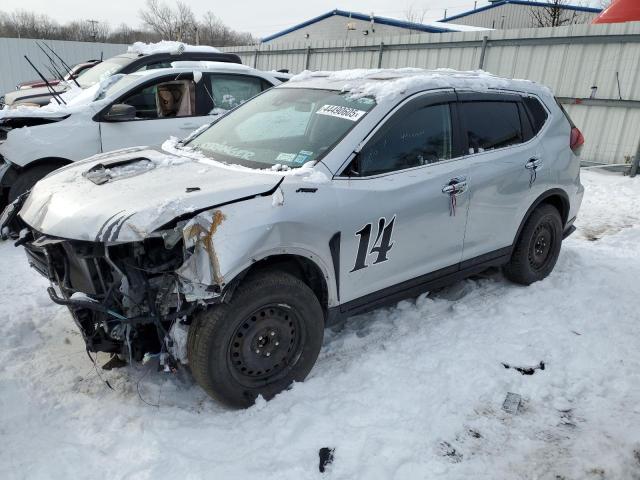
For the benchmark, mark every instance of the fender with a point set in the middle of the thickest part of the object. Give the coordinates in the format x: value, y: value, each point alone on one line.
x: 236, y: 275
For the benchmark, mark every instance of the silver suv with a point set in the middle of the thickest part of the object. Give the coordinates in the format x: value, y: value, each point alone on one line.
x: 322, y: 198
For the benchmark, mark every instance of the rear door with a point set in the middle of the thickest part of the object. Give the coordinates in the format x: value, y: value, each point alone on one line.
x: 166, y: 106
x: 398, y: 217
x: 506, y: 169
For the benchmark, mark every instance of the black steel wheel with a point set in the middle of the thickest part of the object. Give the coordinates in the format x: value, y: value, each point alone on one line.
x: 541, y: 245
x: 268, y: 336
x: 537, y: 249
x: 266, y: 344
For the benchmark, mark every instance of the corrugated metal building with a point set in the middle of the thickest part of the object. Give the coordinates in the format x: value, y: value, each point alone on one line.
x: 507, y: 14
x: 341, y: 25
x: 15, y: 68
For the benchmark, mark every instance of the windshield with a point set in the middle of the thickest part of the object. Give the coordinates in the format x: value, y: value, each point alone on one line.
x: 283, y: 126
x: 102, y: 70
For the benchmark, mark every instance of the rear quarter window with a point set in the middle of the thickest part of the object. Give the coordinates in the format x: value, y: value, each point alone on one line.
x: 537, y: 113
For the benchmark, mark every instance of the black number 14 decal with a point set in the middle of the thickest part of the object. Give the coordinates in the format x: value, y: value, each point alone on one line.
x: 381, y: 245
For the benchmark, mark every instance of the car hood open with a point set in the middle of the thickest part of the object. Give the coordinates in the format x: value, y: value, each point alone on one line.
x: 125, y: 195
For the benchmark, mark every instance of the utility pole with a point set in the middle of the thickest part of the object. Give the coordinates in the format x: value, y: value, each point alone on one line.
x: 93, y: 28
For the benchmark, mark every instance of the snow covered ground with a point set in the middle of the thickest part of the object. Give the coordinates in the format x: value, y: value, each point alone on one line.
x: 410, y: 392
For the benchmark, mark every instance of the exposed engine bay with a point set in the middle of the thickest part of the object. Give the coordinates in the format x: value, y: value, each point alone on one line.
x: 125, y: 298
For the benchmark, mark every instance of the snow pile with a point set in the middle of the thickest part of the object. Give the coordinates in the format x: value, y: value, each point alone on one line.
x: 414, y: 391
x: 387, y: 84
x: 166, y: 46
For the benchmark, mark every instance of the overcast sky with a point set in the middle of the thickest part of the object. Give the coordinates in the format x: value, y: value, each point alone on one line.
x: 259, y: 17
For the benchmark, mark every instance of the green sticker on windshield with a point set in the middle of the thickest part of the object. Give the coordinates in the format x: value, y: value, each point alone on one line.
x: 302, y: 156
x: 285, y: 157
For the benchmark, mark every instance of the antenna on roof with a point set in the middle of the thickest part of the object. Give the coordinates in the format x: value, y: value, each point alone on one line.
x: 56, y: 95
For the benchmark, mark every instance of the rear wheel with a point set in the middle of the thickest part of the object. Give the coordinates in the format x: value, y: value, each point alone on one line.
x: 28, y: 178
x: 538, y: 247
x: 268, y: 336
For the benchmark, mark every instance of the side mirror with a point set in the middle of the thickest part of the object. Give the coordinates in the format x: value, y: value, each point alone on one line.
x: 120, y: 112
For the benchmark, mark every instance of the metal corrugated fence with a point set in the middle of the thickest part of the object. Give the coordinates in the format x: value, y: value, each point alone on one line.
x: 571, y: 60
x: 15, y: 69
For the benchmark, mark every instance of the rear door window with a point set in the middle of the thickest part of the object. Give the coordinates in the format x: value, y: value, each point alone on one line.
x: 490, y: 125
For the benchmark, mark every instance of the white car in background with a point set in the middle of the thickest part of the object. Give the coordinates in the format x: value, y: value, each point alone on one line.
x: 142, y: 108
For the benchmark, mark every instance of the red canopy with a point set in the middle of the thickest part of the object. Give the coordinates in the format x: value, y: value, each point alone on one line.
x: 620, y: 11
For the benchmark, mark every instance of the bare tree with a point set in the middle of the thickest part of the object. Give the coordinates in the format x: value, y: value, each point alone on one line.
x: 415, y: 15
x: 160, y: 18
x: 212, y: 31
x: 162, y: 23
x: 553, y: 14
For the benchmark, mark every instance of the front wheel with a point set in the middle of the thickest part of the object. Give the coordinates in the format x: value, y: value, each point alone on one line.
x: 538, y: 247
x: 268, y: 336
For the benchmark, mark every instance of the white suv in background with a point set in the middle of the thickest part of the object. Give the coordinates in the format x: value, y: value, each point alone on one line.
x: 142, y: 108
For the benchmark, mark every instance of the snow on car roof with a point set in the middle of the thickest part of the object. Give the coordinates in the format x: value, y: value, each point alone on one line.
x: 209, y: 65
x: 387, y: 84
x: 166, y: 46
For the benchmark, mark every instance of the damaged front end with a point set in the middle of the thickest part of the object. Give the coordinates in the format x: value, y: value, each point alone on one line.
x: 136, y: 298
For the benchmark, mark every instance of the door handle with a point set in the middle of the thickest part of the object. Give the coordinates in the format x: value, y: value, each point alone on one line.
x: 456, y: 186
x: 534, y: 163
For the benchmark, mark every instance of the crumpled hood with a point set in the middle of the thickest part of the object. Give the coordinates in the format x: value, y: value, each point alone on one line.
x: 125, y: 195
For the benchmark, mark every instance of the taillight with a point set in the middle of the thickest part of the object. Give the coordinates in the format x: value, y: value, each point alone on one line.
x: 577, y: 140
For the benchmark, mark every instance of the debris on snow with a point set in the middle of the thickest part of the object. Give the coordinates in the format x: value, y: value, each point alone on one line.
x: 450, y: 451
x: 326, y: 458
x: 512, y: 403
x: 525, y: 370
x: 114, y: 362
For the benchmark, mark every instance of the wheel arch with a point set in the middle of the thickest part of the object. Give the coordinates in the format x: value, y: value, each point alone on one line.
x: 48, y: 161
x: 304, y: 266
x: 555, y: 197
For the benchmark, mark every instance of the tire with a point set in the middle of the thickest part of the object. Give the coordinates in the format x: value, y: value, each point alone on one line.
x: 268, y: 336
x: 27, y: 179
x: 538, y: 247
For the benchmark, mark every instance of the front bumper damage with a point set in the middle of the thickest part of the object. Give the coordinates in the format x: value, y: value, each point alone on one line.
x: 129, y: 299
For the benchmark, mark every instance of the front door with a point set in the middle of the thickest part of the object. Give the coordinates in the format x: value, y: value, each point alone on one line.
x: 164, y: 108
x: 402, y: 207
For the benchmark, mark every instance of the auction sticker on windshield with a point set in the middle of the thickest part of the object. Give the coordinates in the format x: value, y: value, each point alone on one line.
x: 341, y: 112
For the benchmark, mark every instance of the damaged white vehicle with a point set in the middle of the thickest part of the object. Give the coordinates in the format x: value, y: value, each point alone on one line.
x: 319, y: 199
x: 142, y: 108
